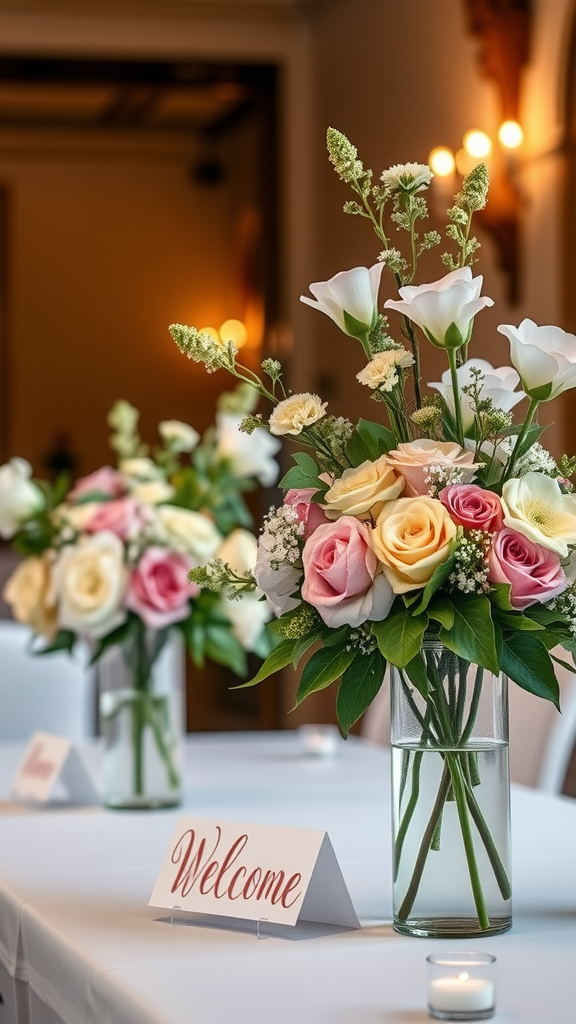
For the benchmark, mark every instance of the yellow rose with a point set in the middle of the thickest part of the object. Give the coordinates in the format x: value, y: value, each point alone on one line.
x: 360, y: 489
x: 411, y: 538
x: 28, y: 591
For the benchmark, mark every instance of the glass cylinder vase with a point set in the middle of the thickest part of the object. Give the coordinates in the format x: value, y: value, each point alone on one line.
x: 141, y: 716
x: 450, y: 798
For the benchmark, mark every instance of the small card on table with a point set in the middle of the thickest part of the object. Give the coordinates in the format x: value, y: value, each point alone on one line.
x: 49, y: 763
x: 254, y: 872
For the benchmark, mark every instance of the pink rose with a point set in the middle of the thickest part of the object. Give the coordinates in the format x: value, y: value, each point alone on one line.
x: 534, y: 571
x: 158, y: 590
x: 309, y: 512
x: 124, y: 517
x: 104, y: 481
x: 342, y: 577
x: 473, y: 507
x: 414, y: 460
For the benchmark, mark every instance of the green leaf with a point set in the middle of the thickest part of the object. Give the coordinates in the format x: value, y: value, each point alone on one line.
x: 222, y: 647
x: 360, y: 684
x: 117, y: 636
x: 400, y: 635
x: 304, y: 474
x: 438, y: 577
x: 323, y: 668
x: 63, y: 641
x: 333, y: 637
x: 514, y: 620
x: 278, y: 659
x: 369, y: 441
x: 472, y: 633
x: 525, y: 660
x: 500, y: 596
x: 304, y: 643
x: 418, y: 675
x: 442, y: 611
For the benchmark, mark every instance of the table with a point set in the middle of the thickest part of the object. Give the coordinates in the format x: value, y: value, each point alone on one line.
x: 79, y: 944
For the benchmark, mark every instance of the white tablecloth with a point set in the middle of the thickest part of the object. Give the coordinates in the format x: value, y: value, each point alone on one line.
x: 77, y: 934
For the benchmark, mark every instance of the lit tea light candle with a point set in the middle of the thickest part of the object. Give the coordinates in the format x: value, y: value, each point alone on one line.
x: 319, y: 740
x: 461, y: 986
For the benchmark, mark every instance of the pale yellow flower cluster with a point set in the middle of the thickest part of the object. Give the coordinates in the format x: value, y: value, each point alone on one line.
x: 382, y: 371
x: 296, y: 412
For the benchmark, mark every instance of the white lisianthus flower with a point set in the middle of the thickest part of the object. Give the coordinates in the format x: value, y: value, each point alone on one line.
x: 19, y: 496
x: 293, y: 414
x: 141, y: 469
x: 498, y: 384
x: 180, y: 436
x: 350, y: 299
x: 249, y: 454
x: 409, y: 177
x: 249, y: 614
x: 89, y: 580
x: 545, y: 358
x: 535, y: 506
x: 444, y: 309
x: 187, y: 532
x: 382, y: 370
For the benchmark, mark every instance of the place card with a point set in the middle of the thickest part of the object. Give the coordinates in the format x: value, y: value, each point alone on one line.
x: 50, y: 767
x: 254, y: 872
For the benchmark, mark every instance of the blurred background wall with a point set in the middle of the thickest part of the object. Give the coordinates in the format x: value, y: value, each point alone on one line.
x: 164, y: 160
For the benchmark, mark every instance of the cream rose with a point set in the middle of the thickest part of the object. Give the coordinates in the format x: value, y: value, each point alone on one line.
x: 190, y: 533
x: 411, y: 538
x: 89, y: 581
x: 28, y: 592
x: 414, y: 459
x: 295, y: 413
x: 181, y: 437
x: 140, y: 469
x: 358, y: 490
x: 152, y: 492
x: 534, y: 505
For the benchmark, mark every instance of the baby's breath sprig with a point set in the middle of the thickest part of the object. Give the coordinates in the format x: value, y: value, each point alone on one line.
x: 470, y: 575
x: 217, y: 575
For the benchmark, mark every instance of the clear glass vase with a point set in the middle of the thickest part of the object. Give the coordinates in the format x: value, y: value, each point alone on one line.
x: 141, y: 716
x: 450, y: 798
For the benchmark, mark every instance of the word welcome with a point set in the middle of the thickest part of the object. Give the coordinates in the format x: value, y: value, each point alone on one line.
x: 223, y: 877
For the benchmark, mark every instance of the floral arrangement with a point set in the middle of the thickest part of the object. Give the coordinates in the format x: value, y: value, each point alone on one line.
x: 440, y: 542
x: 107, y: 559
x: 452, y: 519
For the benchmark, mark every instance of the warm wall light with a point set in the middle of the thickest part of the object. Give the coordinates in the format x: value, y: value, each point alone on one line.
x: 441, y: 161
x: 235, y: 331
x: 510, y: 135
x: 212, y: 331
x: 477, y: 144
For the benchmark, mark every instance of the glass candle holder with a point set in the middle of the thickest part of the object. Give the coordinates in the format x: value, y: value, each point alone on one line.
x: 319, y: 740
x: 461, y: 986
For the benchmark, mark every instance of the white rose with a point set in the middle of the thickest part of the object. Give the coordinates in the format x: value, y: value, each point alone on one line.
x: 19, y: 496
x: 279, y: 584
x: 545, y: 358
x: 295, y: 413
x: 497, y: 383
x: 349, y: 294
x: 153, y: 492
x: 248, y: 617
x: 534, y: 505
x: 452, y: 302
x: 89, y: 580
x: 249, y: 454
x: 239, y: 550
x: 181, y: 437
x: 190, y: 533
x: 140, y: 469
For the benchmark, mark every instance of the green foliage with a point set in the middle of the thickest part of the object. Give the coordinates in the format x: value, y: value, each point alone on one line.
x: 360, y: 684
x: 369, y: 441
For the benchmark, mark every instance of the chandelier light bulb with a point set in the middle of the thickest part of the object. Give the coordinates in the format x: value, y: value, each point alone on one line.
x: 510, y: 135
x: 235, y: 331
x: 441, y: 161
x: 477, y: 144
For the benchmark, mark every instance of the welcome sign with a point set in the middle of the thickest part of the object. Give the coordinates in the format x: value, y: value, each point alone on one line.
x: 253, y: 871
